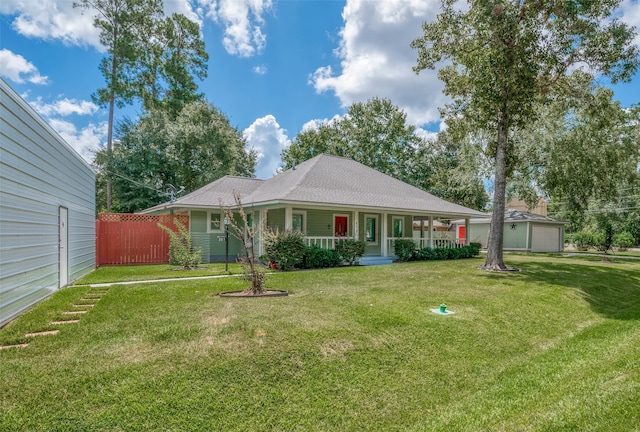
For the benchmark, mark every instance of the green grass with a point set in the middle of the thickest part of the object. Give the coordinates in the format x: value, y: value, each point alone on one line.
x: 153, y: 272
x: 555, y: 347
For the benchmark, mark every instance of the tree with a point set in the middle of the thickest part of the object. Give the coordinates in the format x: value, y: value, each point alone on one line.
x: 172, y: 59
x: 374, y: 133
x: 582, y: 147
x: 123, y: 25
x: 192, y: 150
x: 149, y: 57
x: 505, y: 58
x: 455, y: 169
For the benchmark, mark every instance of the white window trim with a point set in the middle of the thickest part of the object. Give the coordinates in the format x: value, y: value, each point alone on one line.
x: 303, y: 213
x: 377, y: 233
x: 334, y: 223
x: 209, y: 230
x: 393, y: 226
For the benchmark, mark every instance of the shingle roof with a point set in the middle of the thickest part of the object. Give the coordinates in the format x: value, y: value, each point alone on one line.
x: 327, y: 180
x: 512, y: 215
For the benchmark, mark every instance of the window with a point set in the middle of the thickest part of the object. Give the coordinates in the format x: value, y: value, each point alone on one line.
x: 371, y: 227
x: 215, y: 222
x: 297, y: 221
x: 398, y: 227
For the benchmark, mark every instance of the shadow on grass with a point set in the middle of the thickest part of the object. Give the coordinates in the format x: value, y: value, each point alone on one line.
x: 612, y: 290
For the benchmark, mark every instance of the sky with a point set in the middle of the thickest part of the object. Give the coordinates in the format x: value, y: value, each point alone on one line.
x: 276, y: 67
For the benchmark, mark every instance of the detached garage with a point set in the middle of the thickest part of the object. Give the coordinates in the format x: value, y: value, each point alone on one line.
x: 47, y: 208
x: 523, y: 231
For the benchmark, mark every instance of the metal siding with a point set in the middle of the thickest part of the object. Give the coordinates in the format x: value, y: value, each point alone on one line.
x: 515, y: 238
x: 39, y: 172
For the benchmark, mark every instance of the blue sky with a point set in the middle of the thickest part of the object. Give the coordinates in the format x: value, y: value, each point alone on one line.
x: 275, y: 67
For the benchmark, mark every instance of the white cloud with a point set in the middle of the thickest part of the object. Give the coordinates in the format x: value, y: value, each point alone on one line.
x: 64, y: 107
x: 52, y: 19
x: 260, y: 69
x: 58, y: 19
x: 243, y: 21
x: 630, y: 14
x: 376, y: 58
x: 86, y: 141
x: 268, y: 139
x: 316, y: 123
x: 18, y: 69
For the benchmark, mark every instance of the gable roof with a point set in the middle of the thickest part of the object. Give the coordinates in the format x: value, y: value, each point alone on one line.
x: 324, y: 181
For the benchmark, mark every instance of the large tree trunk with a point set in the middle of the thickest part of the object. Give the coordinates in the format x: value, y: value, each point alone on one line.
x: 494, y: 259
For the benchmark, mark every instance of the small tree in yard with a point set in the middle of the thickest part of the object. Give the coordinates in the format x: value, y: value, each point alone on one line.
x: 181, y: 251
x: 246, y: 233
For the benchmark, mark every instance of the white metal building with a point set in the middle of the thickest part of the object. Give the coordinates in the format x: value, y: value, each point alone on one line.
x: 47, y: 208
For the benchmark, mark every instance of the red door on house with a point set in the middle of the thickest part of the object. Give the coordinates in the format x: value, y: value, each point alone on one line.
x: 340, y: 226
x: 462, y: 238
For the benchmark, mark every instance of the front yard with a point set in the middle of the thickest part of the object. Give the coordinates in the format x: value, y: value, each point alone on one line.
x: 554, y: 347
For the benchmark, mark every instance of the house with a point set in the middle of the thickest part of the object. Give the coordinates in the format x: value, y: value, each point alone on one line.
x: 47, y: 208
x: 329, y: 198
x: 523, y: 231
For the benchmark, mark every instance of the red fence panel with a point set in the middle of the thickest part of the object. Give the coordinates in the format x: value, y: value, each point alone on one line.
x: 124, y: 238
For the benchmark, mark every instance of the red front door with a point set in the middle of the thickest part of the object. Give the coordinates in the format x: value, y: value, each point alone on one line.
x: 340, y: 226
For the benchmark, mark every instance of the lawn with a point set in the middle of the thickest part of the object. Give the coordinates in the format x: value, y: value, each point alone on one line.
x: 154, y: 272
x: 554, y: 347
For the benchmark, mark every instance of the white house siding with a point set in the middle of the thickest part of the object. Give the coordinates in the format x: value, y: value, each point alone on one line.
x: 39, y: 173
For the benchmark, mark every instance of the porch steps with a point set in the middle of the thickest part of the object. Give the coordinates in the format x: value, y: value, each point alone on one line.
x: 376, y: 260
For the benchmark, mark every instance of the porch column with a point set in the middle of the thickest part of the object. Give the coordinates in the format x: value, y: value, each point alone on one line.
x: 263, y: 226
x: 356, y: 218
x: 383, y: 235
x: 288, y: 218
x: 466, y: 231
x: 431, y: 231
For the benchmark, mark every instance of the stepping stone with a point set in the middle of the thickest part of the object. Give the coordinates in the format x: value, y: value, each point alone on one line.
x: 89, y: 305
x: 22, y: 345
x: 74, y: 312
x: 65, y: 322
x: 43, y: 333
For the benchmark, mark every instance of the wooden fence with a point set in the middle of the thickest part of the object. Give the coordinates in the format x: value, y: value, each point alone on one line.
x: 124, y: 238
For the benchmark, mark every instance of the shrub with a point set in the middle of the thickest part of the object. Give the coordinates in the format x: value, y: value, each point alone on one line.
x: 350, y: 250
x: 404, y: 249
x: 425, y: 254
x: 623, y: 240
x: 181, y: 251
x: 318, y: 257
x: 474, y: 248
x: 284, y: 248
x: 583, y: 240
x: 429, y: 254
x: 603, y: 240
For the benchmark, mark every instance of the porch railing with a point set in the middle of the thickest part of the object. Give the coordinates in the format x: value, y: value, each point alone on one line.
x: 442, y: 242
x: 327, y: 242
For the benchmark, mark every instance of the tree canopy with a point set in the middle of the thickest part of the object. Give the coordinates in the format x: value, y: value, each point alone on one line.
x: 158, y: 152
x: 507, y: 57
x: 145, y: 51
x: 375, y: 133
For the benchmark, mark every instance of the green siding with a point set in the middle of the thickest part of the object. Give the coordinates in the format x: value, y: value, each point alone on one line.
x: 406, y: 225
x: 275, y: 219
x: 320, y: 222
x: 198, y: 221
x: 213, y: 244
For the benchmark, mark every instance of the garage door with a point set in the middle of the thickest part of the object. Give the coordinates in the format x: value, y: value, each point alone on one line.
x: 545, y: 239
